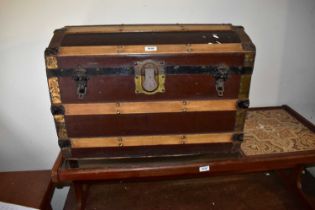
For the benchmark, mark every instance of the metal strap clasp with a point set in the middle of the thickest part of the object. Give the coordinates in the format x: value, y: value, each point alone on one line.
x: 81, y: 78
x: 220, y: 76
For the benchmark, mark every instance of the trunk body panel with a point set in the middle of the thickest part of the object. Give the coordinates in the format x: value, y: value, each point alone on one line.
x: 203, y: 71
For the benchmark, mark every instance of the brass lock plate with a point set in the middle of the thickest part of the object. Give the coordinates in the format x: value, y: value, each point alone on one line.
x: 149, y: 77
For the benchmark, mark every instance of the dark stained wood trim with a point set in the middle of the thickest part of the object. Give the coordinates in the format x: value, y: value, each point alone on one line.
x: 283, y: 154
x: 291, y: 111
x: 253, y: 192
x: 150, y: 38
x: 264, y: 108
x: 171, y: 170
x: 45, y: 204
x: 57, y: 38
x: 292, y: 180
x: 245, y: 39
x: 81, y: 190
x: 215, y: 150
x: 55, y: 169
x: 32, y: 188
x: 299, y: 117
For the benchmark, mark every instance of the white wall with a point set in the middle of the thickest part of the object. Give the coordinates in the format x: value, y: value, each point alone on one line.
x: 282, y: 30
x: 297, y: 72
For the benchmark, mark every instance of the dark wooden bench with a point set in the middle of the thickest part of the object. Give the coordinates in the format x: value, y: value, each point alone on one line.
x: 261, y: 153
x: 27, y: 188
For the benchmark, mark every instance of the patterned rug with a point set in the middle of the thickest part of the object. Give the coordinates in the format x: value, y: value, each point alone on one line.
x: 275, y: 131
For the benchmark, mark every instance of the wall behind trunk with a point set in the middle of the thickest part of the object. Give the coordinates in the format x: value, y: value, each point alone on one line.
x: 282, y: 30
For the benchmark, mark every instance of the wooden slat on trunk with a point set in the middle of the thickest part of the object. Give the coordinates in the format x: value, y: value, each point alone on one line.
x: 147, y: 28
x: 150, y: 107
x: 151, y: 140
x: 140, y: 49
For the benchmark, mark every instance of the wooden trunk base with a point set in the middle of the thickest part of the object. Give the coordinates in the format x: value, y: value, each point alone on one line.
x: 215, y: 150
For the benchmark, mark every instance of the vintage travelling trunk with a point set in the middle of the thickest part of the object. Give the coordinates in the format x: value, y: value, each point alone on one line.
x: 149, y: 90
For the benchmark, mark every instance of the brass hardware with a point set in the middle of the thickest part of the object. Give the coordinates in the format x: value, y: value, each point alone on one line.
x: 51, y: 62
x: 149, y: 77
x: 241, y: 114
x: 249, y: 59
x: 184, y: 109
x: 61, y: 126
x: 240, y: 120
x: 120, y: 142
x: 54, y: 90
x: 81, y: 78
x: 120, y: 49
x: 243, y: 101
x: 183, y: 139
x: 244, y: 86
x: 188, y: 48
x: 220, y: 76
x: 59, y: 118
x: 117, y: 108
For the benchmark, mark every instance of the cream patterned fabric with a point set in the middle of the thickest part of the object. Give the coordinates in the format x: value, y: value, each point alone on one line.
x: 275, y: 131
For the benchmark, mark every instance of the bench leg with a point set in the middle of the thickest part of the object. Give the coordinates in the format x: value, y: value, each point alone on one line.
x: 80, y: 194
x: 292, y: 179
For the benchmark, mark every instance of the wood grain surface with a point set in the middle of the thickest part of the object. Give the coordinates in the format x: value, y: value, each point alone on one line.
x: 216, y: 150
x: 138, y: 49
x: 235, y: 59
x: 150, y: 107
x: 122, y: 89
x: 149, y: 124
x: 146, y: 28
x: 151, y: 140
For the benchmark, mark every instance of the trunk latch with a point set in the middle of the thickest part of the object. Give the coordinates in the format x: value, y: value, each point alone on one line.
x: 149, y: 77
x: 220, y: 76
x: 81, y: 78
